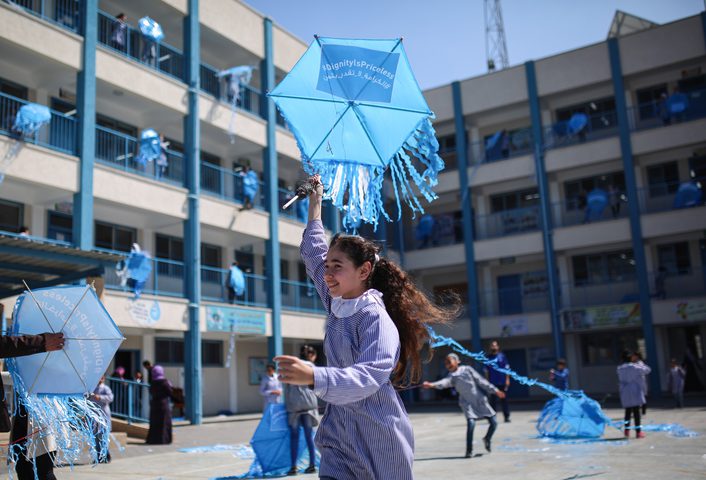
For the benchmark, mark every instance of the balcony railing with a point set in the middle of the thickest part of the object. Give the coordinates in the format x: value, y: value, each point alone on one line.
x: 59, y: 135
x: 608, y: 292
x: 166, y: 278
x: 301, y: 297
x: 227, y: 185
x: 681, y: 282
x: 447, y: 230
x: 664, y: 197
x: 119, y: 150
x: 130, y: 399
x: 508, y: 222
x: 213, y: 288
x: 656, y: 114
x: 576, y: 211
x: 159, y: 56
x: 64, y: 13
x: 598, y: 126
x: 512, y: 301
x: 248, y: 100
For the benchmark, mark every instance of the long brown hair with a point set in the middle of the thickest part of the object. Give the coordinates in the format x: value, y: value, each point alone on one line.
x: 410, y: 309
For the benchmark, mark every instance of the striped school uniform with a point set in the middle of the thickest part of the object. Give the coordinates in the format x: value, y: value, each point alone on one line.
x: 365, y: 432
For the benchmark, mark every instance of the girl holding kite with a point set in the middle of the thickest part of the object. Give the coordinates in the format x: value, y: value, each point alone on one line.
x: 375, y: 333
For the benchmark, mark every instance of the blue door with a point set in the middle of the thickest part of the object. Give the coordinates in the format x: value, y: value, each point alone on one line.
x: 509, y: 294
x: 518, y: 362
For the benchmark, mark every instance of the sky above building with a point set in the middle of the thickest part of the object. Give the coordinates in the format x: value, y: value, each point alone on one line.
x: 445, y: 39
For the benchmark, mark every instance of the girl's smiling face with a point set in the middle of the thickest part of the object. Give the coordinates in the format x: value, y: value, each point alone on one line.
x: 342, y: 277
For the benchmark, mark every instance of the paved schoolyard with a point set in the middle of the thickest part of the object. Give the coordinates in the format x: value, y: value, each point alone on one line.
x: 440, y: 440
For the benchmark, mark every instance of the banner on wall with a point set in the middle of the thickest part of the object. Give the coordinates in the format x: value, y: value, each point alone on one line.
x: 604, y: 316
x: 691, y: 310
x: 236, y: 320
x: 144, y: 312
x: 513, y: 326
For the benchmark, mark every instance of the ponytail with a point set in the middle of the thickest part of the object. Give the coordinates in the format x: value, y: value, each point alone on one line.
x: 409, y: 308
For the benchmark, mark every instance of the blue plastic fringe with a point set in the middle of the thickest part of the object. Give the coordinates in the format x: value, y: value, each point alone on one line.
x: 255, y: 470
x: 357, y: 190
x: 70, y: 422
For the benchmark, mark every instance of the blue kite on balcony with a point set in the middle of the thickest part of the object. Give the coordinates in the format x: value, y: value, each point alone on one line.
x: 135, y: 270
x: 30, y: 118
x: 150, y: 147
x: 688, y: 195
x: 53, y: 387
x: 150, y: 29
x: 236, y: 78
x: 357, y: 112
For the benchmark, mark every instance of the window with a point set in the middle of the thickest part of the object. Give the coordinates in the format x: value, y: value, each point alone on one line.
x: 575, y: 191
x: 11, y: 215
x: 212, y: 353
x: 601, y: 113
x: 246, y: 260
x: 210, y: 172
x: 675, y: 258
x: 606, y: 348
x: 60, y: 226
x: 210, y: 257
x: 601, y: 268
x: 14, y: 89
x: 114, y: 237
x: 443, y: 292
x: 170, y: 248
x: 514, y: 200
x: 663, y: 179
x: 117, y: 125
x: 447, y: 144
x: 648, y: 100
x: 170, y: 351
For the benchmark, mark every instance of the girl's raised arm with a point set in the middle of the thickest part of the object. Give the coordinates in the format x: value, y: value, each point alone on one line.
x: 313, y: 247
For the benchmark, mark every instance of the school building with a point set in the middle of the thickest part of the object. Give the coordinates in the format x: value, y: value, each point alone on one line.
x: 571, y: 215
x: 77, y: 181
x: 509, y: 230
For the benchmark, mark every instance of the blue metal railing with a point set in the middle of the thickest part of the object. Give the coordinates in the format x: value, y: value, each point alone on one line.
x: 656, y: 113
x: 59, y: 135
x: 677, y: 282
x: 227, y: 185
x: 301, y: 297
x: 119, y: 150
x: 64, y: 13
x: 249, y: 98
x: 599, y: 125
x: 213, y: 288
x: 130, y: 399
x: 447, y: 230
x: 512, y: 301
x: 159, y: 56
x: 662, y: 197
x: 575, y: 211
x: 166, y: 277
x: 508, y: 222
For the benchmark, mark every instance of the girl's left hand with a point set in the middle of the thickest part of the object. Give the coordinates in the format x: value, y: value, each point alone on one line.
x: 294, y: 371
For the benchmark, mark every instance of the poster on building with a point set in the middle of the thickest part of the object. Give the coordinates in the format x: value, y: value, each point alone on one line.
x: 236, y: 320
x: 604, y: 316
x: 144, y: 312
x: 513, y: 326
x: 257, y: 368
x: 691, y: 310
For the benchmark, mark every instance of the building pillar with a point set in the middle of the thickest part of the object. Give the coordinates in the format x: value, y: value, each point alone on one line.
x: 545, y: 209
x: 86, y: 113
x: 193, y: 375
x: 272, y: 253
x: 638, y: 246
x: 467, y: 216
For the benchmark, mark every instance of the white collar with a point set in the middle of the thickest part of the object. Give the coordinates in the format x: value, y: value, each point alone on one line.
x: 346, y: 307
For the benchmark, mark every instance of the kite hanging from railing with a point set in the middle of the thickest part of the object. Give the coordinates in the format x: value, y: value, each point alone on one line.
x: 28, y: 120
x: 53, y: 387
x: 236, y: 78
x: 357, y: 112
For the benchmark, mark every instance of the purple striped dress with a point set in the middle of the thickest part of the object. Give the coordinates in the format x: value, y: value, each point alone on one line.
x: 365, y: 433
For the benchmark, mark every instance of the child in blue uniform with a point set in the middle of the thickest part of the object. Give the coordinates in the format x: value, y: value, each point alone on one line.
x: 374, y: 336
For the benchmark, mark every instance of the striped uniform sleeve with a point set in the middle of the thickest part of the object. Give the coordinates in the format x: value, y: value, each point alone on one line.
x: 313, y: 251
x: 379, y: 347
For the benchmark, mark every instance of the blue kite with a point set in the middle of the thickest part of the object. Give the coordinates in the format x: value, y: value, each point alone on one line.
x: 53, y: 387
x: 150, y: 147
x: 357, y: 112
x: 150, y: 29
x: 30, y: 118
